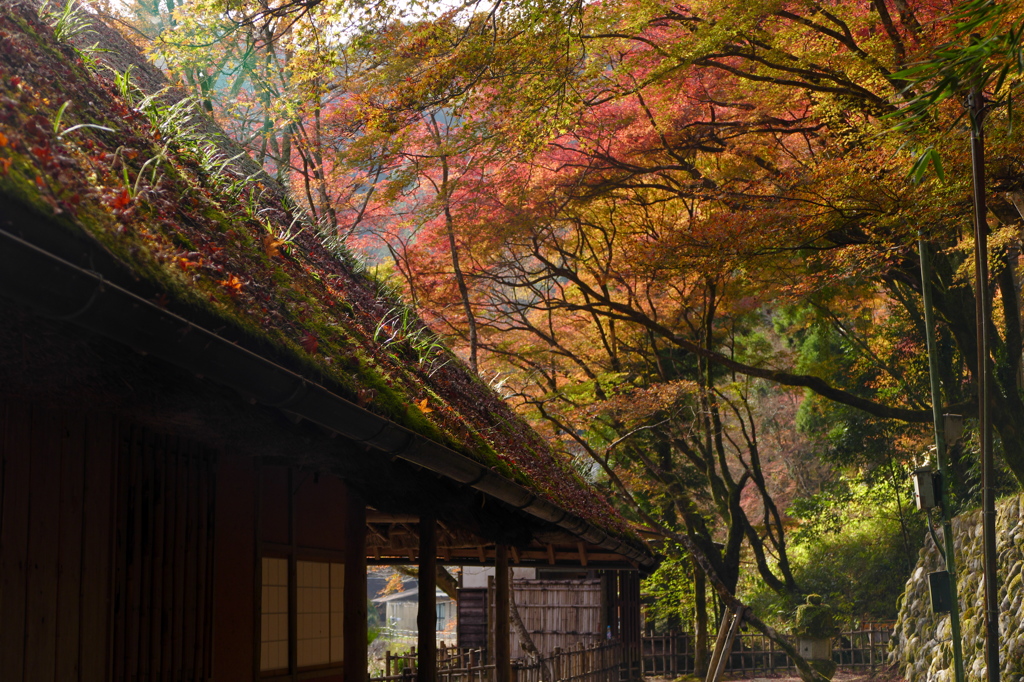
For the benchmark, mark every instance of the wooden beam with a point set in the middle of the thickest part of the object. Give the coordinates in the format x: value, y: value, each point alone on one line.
x: 551, y: 554
x: 502, y: 596
x: 583, y: 553
x: 515, y: 554
x: 354, y: 589
x: 426, y: 617
x: 374, y: 516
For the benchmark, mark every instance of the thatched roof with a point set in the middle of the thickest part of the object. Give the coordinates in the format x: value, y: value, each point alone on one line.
x: 127, y: 190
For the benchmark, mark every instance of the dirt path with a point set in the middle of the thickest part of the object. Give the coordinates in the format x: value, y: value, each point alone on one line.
x: 840, y: 676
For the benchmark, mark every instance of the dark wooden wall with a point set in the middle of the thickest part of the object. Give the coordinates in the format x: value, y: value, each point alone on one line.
x: 56, y: 513
x: 106, y: 549
x: 164, y: 553
x: 235, y: 635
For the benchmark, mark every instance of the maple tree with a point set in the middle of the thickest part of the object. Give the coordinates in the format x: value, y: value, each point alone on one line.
x: 607, y: 203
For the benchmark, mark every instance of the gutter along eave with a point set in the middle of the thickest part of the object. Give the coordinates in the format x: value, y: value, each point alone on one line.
x: 52, y: 285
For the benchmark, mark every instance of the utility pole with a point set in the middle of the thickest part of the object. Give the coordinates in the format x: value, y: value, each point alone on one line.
x: 976, y: 109
x: 940, y: 453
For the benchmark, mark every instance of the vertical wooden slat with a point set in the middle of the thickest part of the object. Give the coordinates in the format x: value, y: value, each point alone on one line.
x: 178, y: 608
x: 133, y: 556
x: 148, y: 467
x: 210, y: 498
x: 202, y: 540
x: 100, y: 498
x: 188, y: 633
x: 192, y: 573
x: 167, y: 616
x: 44, y: 526
x: 14, y: 517
x: 69, y: 560
x: 162, y: 461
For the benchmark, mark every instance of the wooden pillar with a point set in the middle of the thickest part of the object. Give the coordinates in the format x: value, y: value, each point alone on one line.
x: 354, y: 590
x: 630, y: 586
x: 426, y: 617
x: 502, y: 596
x: 293, y: 577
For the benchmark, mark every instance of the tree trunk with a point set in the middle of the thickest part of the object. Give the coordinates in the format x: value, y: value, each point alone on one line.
x: 524, y: 636
x: 700, y: 622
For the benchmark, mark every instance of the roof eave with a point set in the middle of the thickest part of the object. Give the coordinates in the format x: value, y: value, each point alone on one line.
x: 60, y: 289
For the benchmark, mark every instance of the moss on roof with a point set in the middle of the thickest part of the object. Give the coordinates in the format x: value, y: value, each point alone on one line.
x: 211, y: 244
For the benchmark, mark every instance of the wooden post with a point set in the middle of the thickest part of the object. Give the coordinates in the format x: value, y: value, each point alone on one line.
x: 293, y: 575
x: 720, y: 659
x: 354, y: 590
x: 426, y: 616
x: 502, y: 596
x: 629, y: 586
x: 673, y: 644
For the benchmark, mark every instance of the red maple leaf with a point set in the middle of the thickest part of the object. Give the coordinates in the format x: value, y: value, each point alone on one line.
x: 121, y: 200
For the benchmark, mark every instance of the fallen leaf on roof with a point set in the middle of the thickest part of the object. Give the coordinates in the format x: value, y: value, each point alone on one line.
x: 309, y: 343
x: 121, y: 200
x: 272, y: 245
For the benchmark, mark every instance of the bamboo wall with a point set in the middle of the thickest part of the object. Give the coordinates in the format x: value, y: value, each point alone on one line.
x: 559, y: 613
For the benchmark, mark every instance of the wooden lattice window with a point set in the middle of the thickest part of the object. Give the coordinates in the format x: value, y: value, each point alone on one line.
x: 319, y: 614
x: 274, y: 616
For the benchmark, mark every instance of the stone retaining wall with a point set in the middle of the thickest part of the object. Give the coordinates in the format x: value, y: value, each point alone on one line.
x: 921, y: 642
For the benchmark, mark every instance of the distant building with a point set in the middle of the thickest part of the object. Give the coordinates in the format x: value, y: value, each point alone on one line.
x: 400, y: 609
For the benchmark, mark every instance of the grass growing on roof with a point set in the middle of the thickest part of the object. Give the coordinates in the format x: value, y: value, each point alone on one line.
x: 85, y: 149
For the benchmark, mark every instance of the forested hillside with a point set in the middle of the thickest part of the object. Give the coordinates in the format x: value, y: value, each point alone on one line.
x: 681, y: 239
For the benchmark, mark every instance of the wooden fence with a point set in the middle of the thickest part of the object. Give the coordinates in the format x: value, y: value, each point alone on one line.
x: 580, y: 663
x: 663, y: 656
x: 673, y: 654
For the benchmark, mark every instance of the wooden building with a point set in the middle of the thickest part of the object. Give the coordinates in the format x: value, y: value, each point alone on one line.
x: 202, y: 440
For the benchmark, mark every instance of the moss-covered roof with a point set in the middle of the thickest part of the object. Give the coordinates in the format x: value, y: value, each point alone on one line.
x: 213, y: 245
